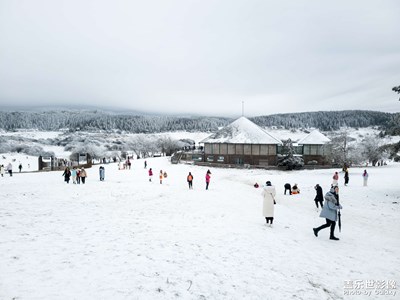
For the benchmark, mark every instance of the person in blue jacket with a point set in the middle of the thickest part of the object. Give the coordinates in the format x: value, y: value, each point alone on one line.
x: 330, y: 212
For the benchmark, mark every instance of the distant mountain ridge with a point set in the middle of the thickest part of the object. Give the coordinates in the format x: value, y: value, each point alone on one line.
x: 99, y: 120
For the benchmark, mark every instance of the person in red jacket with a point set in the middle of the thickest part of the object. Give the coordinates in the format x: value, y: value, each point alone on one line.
x: 208, y: 177
x: 150, y: 174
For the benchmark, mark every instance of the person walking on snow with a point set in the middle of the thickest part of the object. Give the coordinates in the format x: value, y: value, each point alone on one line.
x: 83, y: 175
x: 78, y: 176
x: 330, y: 212
x: 346, y: 176
x: 9, y: 169
x: 319, y: 198
x: 268, y: 194
x: 208, y: 177
x: 20, y: 167
x: 101, y: 173
x: 73, y: 175
x: 365, y: 177
x: 66, y: 175
x: 145, y: 164
x: 150, y: 174
x: 335, y: 179
x: 161, y: 176
x: 2, y: 170
x: 190, y: 180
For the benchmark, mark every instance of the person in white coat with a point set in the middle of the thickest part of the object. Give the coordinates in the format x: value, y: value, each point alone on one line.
x: 365, y: 177
x: 268, y: 194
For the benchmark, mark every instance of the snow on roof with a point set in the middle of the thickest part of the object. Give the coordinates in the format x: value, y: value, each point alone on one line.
x: 242, y: 131
x: 315, y: 137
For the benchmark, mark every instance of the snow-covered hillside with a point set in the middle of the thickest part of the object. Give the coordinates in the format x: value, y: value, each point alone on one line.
x: 128, y: 238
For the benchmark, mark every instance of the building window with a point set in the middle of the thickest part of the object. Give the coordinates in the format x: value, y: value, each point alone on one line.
x: 239, y: 149
x: 271, y: 150
x: 208, y: 149
x: 215, y: 149
x: 221, y: 159
x: 231, y: 149
x: 247, y: 149
x: 197, y: 157
x: 313, y: 150
x: 238, y: 161
x: 306, y: 149
x: 255, y: 149
x: 210, y: 158
x: 223, y: 149
x: 263, y: 149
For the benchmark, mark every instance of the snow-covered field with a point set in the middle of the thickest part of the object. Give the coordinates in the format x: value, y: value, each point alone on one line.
x: 128, y: 238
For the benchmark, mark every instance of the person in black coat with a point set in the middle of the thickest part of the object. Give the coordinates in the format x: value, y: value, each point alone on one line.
x: 319, y: 198
x: 66, y: 175
x: 346, y: 176
x: 288, y: 187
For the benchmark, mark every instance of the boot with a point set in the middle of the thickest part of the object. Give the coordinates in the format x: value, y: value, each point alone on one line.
x: 315, y: 231
x: 333, y: 238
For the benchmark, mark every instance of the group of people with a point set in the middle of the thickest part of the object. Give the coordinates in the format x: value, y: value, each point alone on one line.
x: 77, y: 175
x: 330, y: 209
x: 189, y: 177
x: 9, y: 169
x: 335, y: 177
x: 293, y: 190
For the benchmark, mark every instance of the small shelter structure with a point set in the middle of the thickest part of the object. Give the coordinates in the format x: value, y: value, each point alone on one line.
x: 315, y: 148
x: 241, y: 143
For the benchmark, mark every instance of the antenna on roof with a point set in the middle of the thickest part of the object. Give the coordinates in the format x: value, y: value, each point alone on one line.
x: 242, y: 108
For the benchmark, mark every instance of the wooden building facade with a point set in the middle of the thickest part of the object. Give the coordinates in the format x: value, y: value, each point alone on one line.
x: 241, y: 143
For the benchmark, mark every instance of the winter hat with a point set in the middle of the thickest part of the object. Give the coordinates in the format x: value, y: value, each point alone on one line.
x: 268, y: 183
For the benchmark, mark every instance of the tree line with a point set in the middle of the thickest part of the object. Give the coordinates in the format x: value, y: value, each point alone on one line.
x: 105, y: 121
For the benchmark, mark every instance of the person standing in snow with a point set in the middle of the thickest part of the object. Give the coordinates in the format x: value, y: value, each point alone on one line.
x: 161, y: 176
x: 330, y: 212
x: 288, y: 187
x: 83, y: 175
x: 101, y: 173
x: 78, y: 176
x: 66, y: 174
x: 335, y: 179
x: 208, y: 178
x: 190, y: 180
x: 365, y: 177
x: 73, y: 175
x: 269, y: 202
x: 20, y: 167
x: 319, y: 198
x: 145, y: 164
x: 346, y: 176
x: 9, y: 169
x: 150, y: 174
x: 2, y: 170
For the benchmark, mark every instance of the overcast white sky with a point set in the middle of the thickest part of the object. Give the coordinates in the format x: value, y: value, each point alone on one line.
x: 201, y: 57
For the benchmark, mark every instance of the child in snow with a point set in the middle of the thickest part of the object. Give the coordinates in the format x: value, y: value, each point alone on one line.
x: 150, y: 174
x: 161, y: 176
x: 295, y: 189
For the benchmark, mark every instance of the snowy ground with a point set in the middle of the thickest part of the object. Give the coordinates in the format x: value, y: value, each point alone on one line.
x: 127, y: 238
